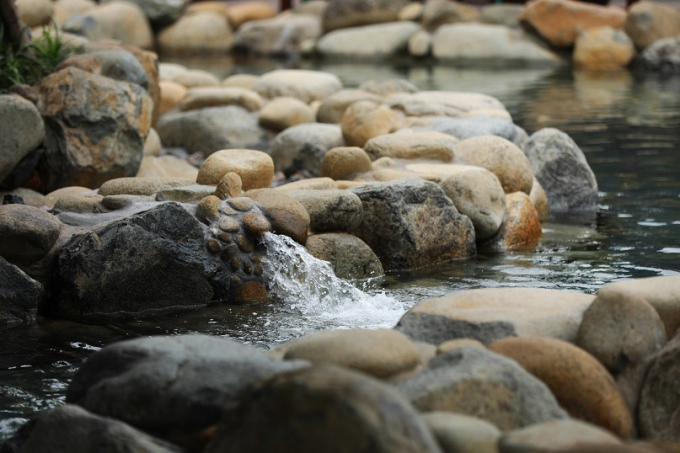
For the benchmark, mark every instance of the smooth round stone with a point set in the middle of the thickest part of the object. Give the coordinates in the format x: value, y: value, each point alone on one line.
x: 305, y: 85
x: 286, y: 214
x: 229, y: 224
x: 171, y: 93
x: 521, y: 229
x: 458, y: 433
x: 196, y: 34
x: 251, y: 293
x: 141, y: 186
x: 256, y: 225
x: 225, y: 237
x: 214, y: 245
x: 240, y: 80
x: 247, y: 267
x: 540, y: 201
x: 557, y: 435
x: 228, y: 210
x: 196, y: 78
x: 459, y: 343
x: 345, y: 163
x: 202, y: 97
x: 412, y: 145
x: 364, y: 120
x: 255, y: 168
x: 208, y: 209
x: 26, y: 233
x: 54, y: 196
x: 229, y: 252
x: 283, y: 112
x: 229, y: 186
x: 235, y: 263
x: 244, y: 243
x: 80, y: 203
x: 241, y: 203
x: 333, y: 107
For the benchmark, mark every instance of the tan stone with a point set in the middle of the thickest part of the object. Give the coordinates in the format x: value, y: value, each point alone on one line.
x: 118, y: 20
x: 563, y: 436
x: 80, y: 203
x: 166, y: 167
x: 413, y: 11
x: 31, y: 197
x: 345, y: 163
x: 540, y: 201
x: 582, y: 386
x: 458, y: 433
x: 208, y: 209
x: 460, y: 343
x: 196, y: 78
x: 412, y: 145
x: 63, y: 9
x: 283, y: 112
x: 34, y: 13
x: 229, y: 186
x: 364, y: 120
x: 171, y: 94
x: 521, y: 229
x: 54, y: 196
x: 287, y: 215
x: 333, y: 107
x: 248, y: 11
x: 196, y: 34
x: 208, y: 7
x: 26, y: 233
x: 246, y: 81
x: 255, y: 168
x: 446, y: 103
x: 152, y: 144
x: 439, y: 12
x: 213, y: 96
x: 140, y: 186
x: 649, y: 21
x: 603, y: 49
x: 305, y: 85
x: 310, y: 184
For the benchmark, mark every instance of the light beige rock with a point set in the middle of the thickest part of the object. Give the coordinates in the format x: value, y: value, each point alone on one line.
x: 213, y: 96
x: 31, y: 197
x: 310, y: 184
x: 84, y: 203
x: 369, y: 42
x: 255, y: 168
x: 229, y: 186
x: 246, y: 81
x: 603, y: 49
x: 54, y: 196
x: 140, y: 186
x: 171, y: 94
x: 364, y: 120
x: 345, y: 163
x: 281, y: 35
x: 196, y: 78
x: 460, y: 343
x: 208, y: 6
x: 34, y: 13
x: 286, y: 214
x: 458, y: 433
x: 445, y: 103
x: 283, y: 112
x: 388, y: 87
x: 412, y: 11
x: 152, y: 144
x: 64, y: 9
x: 408, y: 144
x: 248, y: 11
x: 166, y: 167
x: 419, y: 44
x: 649, y: 21
x: 305, y: 85
x: 168, y: 71
x: 540, y: 200
x: 356, y: 13
x: 558, y: 435
x: 439, y: 12
x: 197, y: 34
x: 333, y: 107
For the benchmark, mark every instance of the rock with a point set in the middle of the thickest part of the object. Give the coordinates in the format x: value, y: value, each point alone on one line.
x: 305, y: 85
x: 255, y: 168
x: 72, y: 429
x: 34, y: 13
x: 500, y: 14
x: 561, y: 168
x: 412, y: 11
x: 21, y: 131
x: 51, y: 198
x: 287, y: 215
x: 280, y: 35
x: 521, y: 229
x: 490, y: 314
x: 648, y: 22
x: 309, y: 184
x: 559, y: 21
x: 582, y: 386
x: 407, y: 144
x: 348, y: 255
x: 168, y: 71
x: 663, y: 56
x: 80, y: 203
x: 388, y: 87
x: 304, y: 146
x: 211, y: 129
x: 603, y: 49
x: 122, y: 65
x: 345, y: 162
x: 85, y: 62
x: 19, y: 296
x: 283, y: 112
x: 152, y: 144
x: 230, y: 185
x: 246, y: 81
x: 174, y: 386
x: 336, y: 409
x: 166, y: 167
x: 484, y: 44
x: 410, y: 223
x: 368, y: 42
x: 141, y: 186
x: 256, y: 225
x: 202, y: 97
x: 171, y: 94
x: 26, y: 233
x: 187, y: 194
x: 364, y: 120
x: 479, y: 383
x: 333, y: 107
x: 560, y: 435
x: 64, y: 9
x: 313, y: 8
x: 118, y: 20
x: 330, y: 210
x: 202, y: 33
x: 196, y: 78
x: 380, y: 353
x: 540, y: 200
x: 458, y: 433
x: 161, y: 12
x: 353, y: 13
x: 440, y: 12
x: 92, y: 134
x: 478, y: 194
x: 446, y: 103
x: 30, y: 196
x: 450, y: 345
x: 419, y: 44
x: 250, y: 11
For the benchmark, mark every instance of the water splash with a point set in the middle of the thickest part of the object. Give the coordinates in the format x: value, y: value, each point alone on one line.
x: 308, y: 286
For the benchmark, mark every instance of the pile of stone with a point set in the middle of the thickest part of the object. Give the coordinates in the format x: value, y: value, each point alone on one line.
x: 542, y: 32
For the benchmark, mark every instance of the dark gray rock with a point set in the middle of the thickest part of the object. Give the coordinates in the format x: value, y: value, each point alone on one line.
x: 212, y: 129
x: 330, y: 210
x: 122, y: 65
x: 348, y: 255
x: 303, y: 147
x: 662, y: 56
x: 322, y: 409
x: 477, y: 382
x: 561, y: 168
x: 19, y: 296
x: 71, y: 429
x: 463, y: 128
x: 26, y: 233
x: 411, y: 223
x: 171, y: 386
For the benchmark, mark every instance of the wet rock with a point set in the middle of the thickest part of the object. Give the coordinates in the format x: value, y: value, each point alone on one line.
x: 256, y: 225
x: 479, y: 383
x: 255, y: 168
x: 336, y: 409
x: 283, y: 112
x: 582, y: 386
x: 559, y: 21
x: 490, y: 314
x: 93, y: 134
x: 202, y: 97
x: 305, y: 85
x: 649, y: 21
x: 330, y: 210
x: 440, y: 12
x: 364, y: 120
x: 412, y: 145
x: 26, y: 233
x: 521, y: 228
x: 484, y: 44
x: 141, y: 186
x: 287, y: 215
x: 478, y: 194
x: 201, y: 33
x: 348, y: 255
x: 411, y: 223
x: 345, y: 162
x: 240, y: 14
x: 663, y: 56
x: 464, y: 128
x: 603, y: 49
x: 211, y: 129
x: 185, y: 194
x: 166, y: 167
x: 540, y: 200
x: 560, y: 435
x: 171, y: 94
x: 458, y: 433
x: 208, y: 209
x: 231, y: 185
x: 21, y: 131
x: 122, y: 65
x: 333, y: 107
x: 368, y: 42
x: 445, y: 103
x: 280, y: 35
x: 500, y: 14
x: 353, y: 13
x: 172, y: 386
x: 161, y: 12
x: 561, y: 168
x: 303, y: 147
x: 19, y: 296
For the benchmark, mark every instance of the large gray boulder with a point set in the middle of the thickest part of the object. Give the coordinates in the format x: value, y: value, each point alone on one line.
x: 368, y: 42
x: 19, y: 296
x: 561, y: 168
x: 94, y: 133
x: 304, y: 146
x: 411, y: 223
x: 173, y: 386
x: 322, y: 409
x: 212, y: 129
x: 21, y: 131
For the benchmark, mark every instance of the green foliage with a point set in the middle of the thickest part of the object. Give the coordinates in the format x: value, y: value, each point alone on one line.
x: 29, y: 63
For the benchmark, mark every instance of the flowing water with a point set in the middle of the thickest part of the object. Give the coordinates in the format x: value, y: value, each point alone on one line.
x: 628, y: 125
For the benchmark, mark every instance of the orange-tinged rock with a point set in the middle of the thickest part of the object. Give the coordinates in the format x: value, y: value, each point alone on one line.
x: 521, y: 229
x: 247, y: 11
x: 603, y: 49
x: 650, y: 21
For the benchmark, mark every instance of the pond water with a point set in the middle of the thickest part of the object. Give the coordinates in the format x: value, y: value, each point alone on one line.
x: 627, y: 124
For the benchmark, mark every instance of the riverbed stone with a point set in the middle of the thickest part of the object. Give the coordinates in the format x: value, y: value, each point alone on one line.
x: 171, y: 94
x: 141, y: 186
x: 19, y: 296
x: 280, y: 35
x: 559, y: 21
x: 21, y: 131
x: 62, y: 10
x: 388, y: 87
x: 310, y: 184
x: 458, y: 433
x: 26, y: 233
x: 34, y: 13
x: 122, y: 65
x: 353, y: 13
x: 345, y: 162
x: 581, y: 384
x: 51, y: 198
x: 283, y: 112
x: 563, y: 171
x: 212, y: 129
x: 202, y: 33
x: 349, y: 256
x: 194, y: 78
x: 441, y: 12
x: 420, y: 44
x: 521, y: 228
x: 478, y: 194
x: 287, y: 215
x: 240, y: 14
x: 255, y: 168
x: 166, y: 166
x: 174, y: 386
x: 202, y: 97
x: 330, y: 210
x: 80, y: 203
x: 494, y: 313
x: 662, y: 56
x: 540, y: 200
x: 649, y: 21
x: 603, y: 49
x: 304, y: 146
x: 476, y: 126
x: 368, y: 42
x: 230, y: 185
x: 501, y: 14
x: 445, y: 103
x: 480, y: 383
x: 246, y: 81
x: 364, y: 120
x: 409, y: 144
x: 186, y: 194
x: 161, y: 12
x: 559, y: 435
x: 303, y: 84
x: 333, y: 107
x: 93, y: 134
x: 411, y: 223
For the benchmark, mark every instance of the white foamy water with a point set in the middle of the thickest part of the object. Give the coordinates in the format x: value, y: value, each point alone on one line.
x: 308, y: 286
